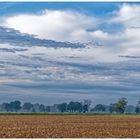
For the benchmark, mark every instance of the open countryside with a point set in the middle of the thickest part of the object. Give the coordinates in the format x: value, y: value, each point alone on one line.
x: 69, y: 120
x: 70, y: 69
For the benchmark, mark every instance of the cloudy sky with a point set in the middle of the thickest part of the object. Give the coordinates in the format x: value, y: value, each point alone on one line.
x: 54, y: 52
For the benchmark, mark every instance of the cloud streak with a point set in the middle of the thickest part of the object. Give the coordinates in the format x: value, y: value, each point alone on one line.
x: 35, y: 54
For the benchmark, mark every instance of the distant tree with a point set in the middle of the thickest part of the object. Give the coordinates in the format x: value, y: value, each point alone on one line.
x: 130, y: 109
x: 78, y: 107
x: 36, y: 107
x: 17, y: 105
x: 47, y: 109
x: 121, y: 105
x: 71, y: 106
x: 6, y: 107
x: 87, y: 103
x: 75, y: 107
x: 33, y: 110
x: 85, y: 108
x: 11, y: 106
x: 112, y: 108
x: 41, y: 108
x: 27, y: 106
x: 62, y: 107
x: 99, y: 108
x: 138, y: 107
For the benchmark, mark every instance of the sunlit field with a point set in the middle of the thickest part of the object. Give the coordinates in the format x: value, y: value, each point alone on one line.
x: 69, y: 126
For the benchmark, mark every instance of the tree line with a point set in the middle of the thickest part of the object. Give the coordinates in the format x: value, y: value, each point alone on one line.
x: 72, y: 106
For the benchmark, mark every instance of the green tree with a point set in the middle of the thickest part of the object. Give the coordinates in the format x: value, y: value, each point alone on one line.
x: 71, y: 106
x: 15, y: 106
x: 138, y: 107
x: 11, y: 106
x: 112, y: 108
x: 85, y: 108
x: 62, y: 107
x: 121, y: 105
x: 6, y: 107
x: 27, y: 106
x: 78, y: 107
x: 99, y: 108
x: 47, y: 109
x: 75, y: 107
x: 87, y: 103
x: 41, y: 108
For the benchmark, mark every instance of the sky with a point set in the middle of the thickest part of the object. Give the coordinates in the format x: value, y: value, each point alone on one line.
x: 53, y: 52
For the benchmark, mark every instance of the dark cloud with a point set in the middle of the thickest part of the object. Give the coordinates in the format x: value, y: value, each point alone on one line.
x: 14, y: 37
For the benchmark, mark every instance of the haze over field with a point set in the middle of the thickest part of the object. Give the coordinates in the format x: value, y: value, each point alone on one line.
x: 56, y: 52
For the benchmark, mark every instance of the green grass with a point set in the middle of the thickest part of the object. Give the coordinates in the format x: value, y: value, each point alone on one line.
x: 65, y: 113
x: 51, y: 113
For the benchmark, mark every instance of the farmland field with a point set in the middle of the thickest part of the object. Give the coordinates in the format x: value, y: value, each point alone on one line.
x: 69, y: 126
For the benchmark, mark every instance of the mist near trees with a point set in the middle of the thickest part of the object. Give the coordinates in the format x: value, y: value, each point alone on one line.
x: 120, y: 107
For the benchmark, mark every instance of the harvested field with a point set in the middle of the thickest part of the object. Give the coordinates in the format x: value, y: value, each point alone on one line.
x: 69, y: 126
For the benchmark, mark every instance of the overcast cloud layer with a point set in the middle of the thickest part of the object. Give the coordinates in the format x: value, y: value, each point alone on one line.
x: 62, y: 55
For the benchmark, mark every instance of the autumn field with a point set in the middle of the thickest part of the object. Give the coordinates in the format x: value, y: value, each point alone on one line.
x: 69, y: 126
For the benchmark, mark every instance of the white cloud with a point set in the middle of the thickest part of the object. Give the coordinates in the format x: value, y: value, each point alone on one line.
x: 57, y: 25
x: 128, y: 15
x: 75, y: 26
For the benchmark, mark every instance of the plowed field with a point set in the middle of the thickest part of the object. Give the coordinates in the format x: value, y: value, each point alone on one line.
x: 69, y: 126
